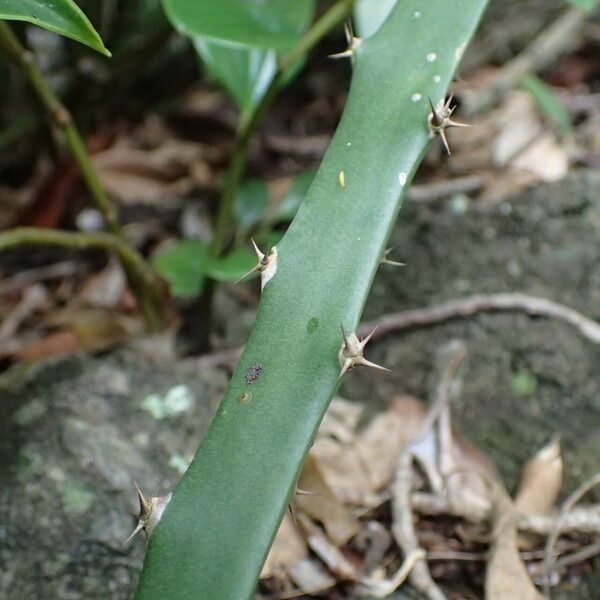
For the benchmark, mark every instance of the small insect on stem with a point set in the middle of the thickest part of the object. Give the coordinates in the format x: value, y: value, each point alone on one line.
x: 342, y: 179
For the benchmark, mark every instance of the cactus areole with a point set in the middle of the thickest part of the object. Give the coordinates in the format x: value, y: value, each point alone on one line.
x: 216, y: 531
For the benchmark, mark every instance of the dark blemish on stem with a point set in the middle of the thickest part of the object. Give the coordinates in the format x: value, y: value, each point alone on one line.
x: 312, y: 325
x: 253, y: 372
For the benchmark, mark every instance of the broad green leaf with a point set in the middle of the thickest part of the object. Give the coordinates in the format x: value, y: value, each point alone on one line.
x: 60, y: 16
x: 548, y: 104
x: 583, y: 4
x: 245, y: 72
x: 250, y: 203
x: 260, y: 23
x: 290, y: 203
x: 183, y: 265
x: 231, y: 266
x: 370, y: 15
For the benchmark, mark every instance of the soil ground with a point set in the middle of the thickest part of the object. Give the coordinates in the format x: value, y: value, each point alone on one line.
x: 82, y: 434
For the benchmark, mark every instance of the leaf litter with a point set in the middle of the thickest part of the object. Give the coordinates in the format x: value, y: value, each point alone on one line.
x: 403, y: 498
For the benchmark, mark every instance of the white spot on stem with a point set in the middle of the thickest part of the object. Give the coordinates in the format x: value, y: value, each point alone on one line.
x: 459, y: 51
x: 416, y: 97
x: 431, y: 56
x: 437, y: 78
x: 402, y: 178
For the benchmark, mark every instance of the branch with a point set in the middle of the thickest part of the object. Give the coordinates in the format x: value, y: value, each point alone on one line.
x: 141, y: 277
x: 247, y: 128
x: 563, y: 35
x: 471, y: 305
x: 61, y: 118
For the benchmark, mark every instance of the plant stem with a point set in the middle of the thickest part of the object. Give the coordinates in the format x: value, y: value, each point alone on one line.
x: 246, y: 129
x: 200, y: 312
x: 140, y: 275
x: 62, y: 119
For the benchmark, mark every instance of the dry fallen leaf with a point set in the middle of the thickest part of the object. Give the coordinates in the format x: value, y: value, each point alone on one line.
x: 105, y: 288
x: 519, y: 125
x: 317, y: 500
x: 356, y: 464
x: 310, y: 576
x: 506, y: 575
x: 328, y: 552
x: 288, y: 548
x: 541, y: 480
x: 545, y: 157
x: 132, y: 174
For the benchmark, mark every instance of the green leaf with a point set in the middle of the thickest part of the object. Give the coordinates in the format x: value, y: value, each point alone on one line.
x: 60, y: 16
x: 183, y: 265
x: 250, y: 203
x: 245, y: 72
x: 259, y: 23
x: 231, y: 266
x: 214, y: 535
x: 290, y: 203
x: 548, y: 104
x: 586, y: 5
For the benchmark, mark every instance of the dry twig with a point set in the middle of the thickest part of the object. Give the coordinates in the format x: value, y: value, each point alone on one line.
x: 453, y: 309
x: 471, y: 305
x: 429, y: 192
x: 549, y: 560
x: 562, y: 36
x: 404, y: 531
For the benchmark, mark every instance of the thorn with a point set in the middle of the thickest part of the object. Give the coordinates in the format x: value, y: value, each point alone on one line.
x: 348, y: 31
x: 257, y: 249
x: 386, y: 261
x: 145, y: 506
x: 252, y: 270
x: 450, y: 123
x: 442, y: 134
x: 435, y: 119
x: 267, y: 265
x: 345, y: 54
x: 366, y: 340
x: 367, y: 363
x: 143, y: 516
x: 347, y: 341
x: 300, y: 492
x: 137, y: 529
x: 352, y: 41
x: 439, y: 120
x: 351, y: 353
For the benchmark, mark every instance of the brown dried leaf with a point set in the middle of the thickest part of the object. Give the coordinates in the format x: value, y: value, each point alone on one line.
x: 328, y: 552
x: 132, y: 174
x: 288, y: 548
x: 506, y: 575
x: 105, y: 288
x: 359, y: 464
x: 541, y: 480
x: 310, y: 576
x: 320, y: 504
x: 545, y: 157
